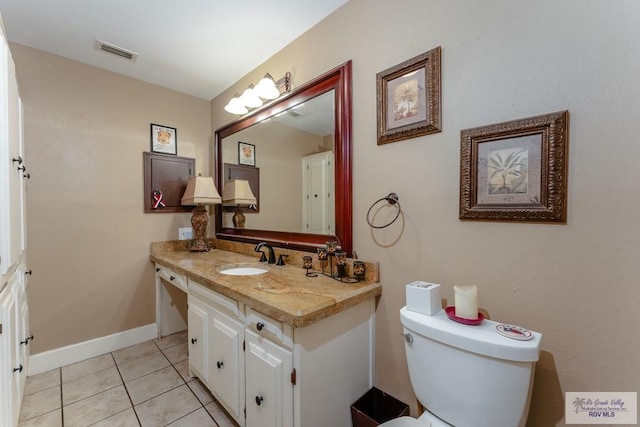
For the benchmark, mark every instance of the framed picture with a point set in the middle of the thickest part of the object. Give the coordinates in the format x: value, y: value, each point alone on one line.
x: 408, y: 98
x: 246, y: 154
x: 164, y: 139
x: 515, y: 171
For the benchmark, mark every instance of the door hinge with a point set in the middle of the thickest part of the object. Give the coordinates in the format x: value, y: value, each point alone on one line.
x: 0, y: 328
x: 243, y: 346
x: 293, y: 376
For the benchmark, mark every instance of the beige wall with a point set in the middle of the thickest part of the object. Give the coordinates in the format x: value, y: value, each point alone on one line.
x: 88, y: 235
x: 502, y: 60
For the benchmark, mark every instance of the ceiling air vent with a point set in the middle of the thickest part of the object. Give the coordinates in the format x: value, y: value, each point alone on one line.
x: 115, y: 50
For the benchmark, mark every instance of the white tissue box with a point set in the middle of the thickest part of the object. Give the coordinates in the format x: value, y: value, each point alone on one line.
x: 423, y: 297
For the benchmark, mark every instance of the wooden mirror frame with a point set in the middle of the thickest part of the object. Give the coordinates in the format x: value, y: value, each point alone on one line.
x: 338, y: 79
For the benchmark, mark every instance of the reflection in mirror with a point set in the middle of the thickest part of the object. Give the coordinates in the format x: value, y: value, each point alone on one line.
x: 294, y: 155
x: 300, y: 170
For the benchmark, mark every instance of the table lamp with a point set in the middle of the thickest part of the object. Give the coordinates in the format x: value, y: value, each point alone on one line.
x: 200, y: 191
x: 238, y: 193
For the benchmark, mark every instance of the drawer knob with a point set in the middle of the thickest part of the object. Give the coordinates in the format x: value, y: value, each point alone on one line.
x: 18, y: 369
x: 259, y: 326
x: 157, y: 269
x: 172, y: 278
x: 194, y: 340
x: 259, y: 400
x: 29, y: 272
x: 220, y: 364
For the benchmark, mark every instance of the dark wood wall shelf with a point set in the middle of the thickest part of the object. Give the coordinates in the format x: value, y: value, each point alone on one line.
x: 168, y: 174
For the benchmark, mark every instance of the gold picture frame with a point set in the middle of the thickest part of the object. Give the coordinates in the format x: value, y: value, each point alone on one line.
x: 409, y: 98
x: 516, y: 171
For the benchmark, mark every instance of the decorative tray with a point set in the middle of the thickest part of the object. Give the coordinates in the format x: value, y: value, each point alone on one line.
x: 451, y: 312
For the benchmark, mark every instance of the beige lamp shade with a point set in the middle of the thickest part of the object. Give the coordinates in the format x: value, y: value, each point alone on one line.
x: 238, y: 193
x: 201, y: 190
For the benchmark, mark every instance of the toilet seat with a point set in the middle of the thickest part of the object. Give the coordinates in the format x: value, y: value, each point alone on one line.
x: 404, y: 422
x: 427, y: 419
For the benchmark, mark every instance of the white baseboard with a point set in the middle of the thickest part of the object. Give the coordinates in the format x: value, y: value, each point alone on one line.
x: 62, y: 356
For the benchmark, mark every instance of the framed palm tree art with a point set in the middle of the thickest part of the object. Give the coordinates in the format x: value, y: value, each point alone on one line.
x: 515, y: 171
x: 409, y: 98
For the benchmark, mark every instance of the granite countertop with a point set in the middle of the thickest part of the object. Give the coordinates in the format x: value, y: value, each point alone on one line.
x: 284, y: 293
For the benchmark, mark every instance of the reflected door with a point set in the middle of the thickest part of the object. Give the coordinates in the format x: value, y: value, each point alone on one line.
x: 317, y: 193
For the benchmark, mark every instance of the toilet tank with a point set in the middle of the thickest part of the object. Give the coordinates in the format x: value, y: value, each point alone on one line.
x: 469, y: 376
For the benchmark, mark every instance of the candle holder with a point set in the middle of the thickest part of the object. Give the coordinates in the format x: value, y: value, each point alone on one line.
x: 358, y: 269
x: 307, y: 264
x: 333, y: 257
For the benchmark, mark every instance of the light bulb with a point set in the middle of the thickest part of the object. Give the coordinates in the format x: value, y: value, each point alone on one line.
x: 266, y: 88
x: 250, y: 99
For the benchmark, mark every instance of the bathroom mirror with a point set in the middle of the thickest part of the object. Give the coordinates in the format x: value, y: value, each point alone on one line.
x: 308, y: 129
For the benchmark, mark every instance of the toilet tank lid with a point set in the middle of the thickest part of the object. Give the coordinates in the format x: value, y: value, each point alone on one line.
x: 481, y: 339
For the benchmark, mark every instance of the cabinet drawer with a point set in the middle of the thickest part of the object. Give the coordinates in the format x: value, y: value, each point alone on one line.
x: 264, y: 325
x: 167, y: 274
x: 225, y: 304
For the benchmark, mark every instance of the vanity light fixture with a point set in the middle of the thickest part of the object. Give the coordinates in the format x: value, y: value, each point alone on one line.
x: 267, y: 89
x: 238, y: 193
x: 200, y: 191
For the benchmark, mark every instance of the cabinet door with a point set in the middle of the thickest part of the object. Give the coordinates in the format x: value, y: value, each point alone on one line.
x: 22, y: 337
x: 197, y: 319
x: 10, y: 369
x: 269, y: 394
x: 226, y: 367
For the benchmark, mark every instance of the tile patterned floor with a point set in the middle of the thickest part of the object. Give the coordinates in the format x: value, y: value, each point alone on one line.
x: 144, y: 385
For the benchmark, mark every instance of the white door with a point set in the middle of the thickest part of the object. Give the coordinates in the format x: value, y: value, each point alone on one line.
x: 225, y: 357
x: 318, y: 211
x: 269, y: 395
x: 197, y: 319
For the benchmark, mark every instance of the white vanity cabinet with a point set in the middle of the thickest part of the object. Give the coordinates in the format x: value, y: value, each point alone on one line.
x: 216, y: 340
x: 266, y: 373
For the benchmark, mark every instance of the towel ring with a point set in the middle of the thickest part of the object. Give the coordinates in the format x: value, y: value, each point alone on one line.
x: 392, y: 199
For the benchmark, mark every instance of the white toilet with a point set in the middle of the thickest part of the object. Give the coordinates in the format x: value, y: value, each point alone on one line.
x: 467, y: 376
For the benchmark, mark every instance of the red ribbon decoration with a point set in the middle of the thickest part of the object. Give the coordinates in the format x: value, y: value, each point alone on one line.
x: 157, y: 200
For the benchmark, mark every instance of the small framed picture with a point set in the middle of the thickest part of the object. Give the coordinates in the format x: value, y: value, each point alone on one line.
x: 246, y: 154
x: 408, y: 98
x: 515, y: 171
x: 164, y: 139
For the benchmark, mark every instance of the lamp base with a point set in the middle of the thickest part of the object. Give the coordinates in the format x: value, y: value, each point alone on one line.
x: 238, y: 219
x: 199, y: 221
x: 199, y: 246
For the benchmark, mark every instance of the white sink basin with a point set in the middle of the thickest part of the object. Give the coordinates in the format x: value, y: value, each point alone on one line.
x: 241, y: 270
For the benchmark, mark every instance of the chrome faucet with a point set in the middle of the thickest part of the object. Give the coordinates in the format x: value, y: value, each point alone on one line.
x: 272, y: 255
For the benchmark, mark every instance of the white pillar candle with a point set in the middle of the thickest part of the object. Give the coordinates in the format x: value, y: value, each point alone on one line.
x: 466, y: 301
